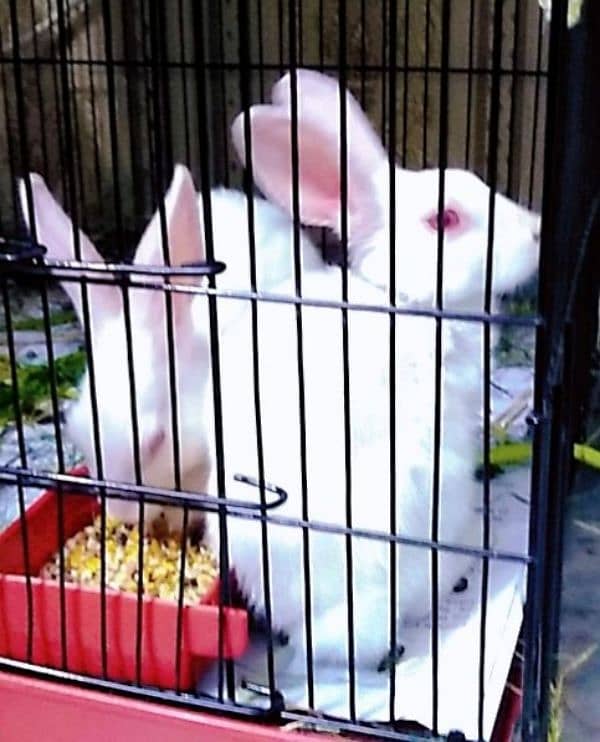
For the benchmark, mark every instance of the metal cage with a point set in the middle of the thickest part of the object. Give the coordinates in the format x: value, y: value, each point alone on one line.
x: 103, y: 99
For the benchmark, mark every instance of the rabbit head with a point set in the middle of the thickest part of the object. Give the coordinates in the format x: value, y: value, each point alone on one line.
x: 464, y: 217
x: 144, y: 369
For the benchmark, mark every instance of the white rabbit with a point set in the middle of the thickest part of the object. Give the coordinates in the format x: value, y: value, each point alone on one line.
x: 460, y: 495
x: 273, y: 245
x: 416, y: 244
x: 149, y: 353
x: 184, y: 223
x: 466, y: 200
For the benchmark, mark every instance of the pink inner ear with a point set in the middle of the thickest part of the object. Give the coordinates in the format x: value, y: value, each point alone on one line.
x: 272, y: 165
x: 183, y: 226
x: 319, y: 171
x: 186, y: 233
x: 54, y: 230
x: 185, y: 244
x: 319, y: 99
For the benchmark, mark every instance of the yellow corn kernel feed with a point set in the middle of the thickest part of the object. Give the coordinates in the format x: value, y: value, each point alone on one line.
x: 162, y: 562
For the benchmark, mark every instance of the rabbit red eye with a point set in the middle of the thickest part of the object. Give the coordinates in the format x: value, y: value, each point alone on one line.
x: 450, y: 219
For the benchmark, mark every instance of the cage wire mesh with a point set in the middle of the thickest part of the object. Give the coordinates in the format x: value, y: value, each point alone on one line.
x: 332, y: 389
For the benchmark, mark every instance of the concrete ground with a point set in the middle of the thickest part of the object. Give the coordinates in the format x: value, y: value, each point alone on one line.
x: 579, y: 683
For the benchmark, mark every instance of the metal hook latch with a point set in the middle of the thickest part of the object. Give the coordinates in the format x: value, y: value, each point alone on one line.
x: 20, y: 251
x: 206, y: 267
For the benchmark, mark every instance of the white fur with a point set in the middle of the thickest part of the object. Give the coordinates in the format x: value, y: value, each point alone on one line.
x: 150, y: 364
x: 368, y: 199
x: 369, y: 384
x: 460, y: 494
x: 461, y: 399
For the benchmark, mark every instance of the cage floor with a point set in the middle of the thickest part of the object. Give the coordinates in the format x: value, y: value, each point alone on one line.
x: 459, y: 641
x: 460, y: 627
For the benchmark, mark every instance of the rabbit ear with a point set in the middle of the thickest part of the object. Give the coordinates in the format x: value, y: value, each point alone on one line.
x: 184, y: 232
x: 318, y: 95
x: 54, y: 230
x: 319, y: 175
x: 185, y: 237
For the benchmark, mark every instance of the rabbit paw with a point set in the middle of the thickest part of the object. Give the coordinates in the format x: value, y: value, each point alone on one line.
x: 257, y: 621
x: 391, y: 659
x: 461, y: 585
x: 258, y: 624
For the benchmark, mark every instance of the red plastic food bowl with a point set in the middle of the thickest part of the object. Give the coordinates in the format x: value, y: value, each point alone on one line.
x: 200, y: 624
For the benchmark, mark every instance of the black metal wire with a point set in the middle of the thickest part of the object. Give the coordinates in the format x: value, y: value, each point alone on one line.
x: 150, y: 93
x: 384, y: 92
x: 261, y: 52
x: 113, y: 122
x: 94, y: 109
x: 165, y: 144
x: 439, y: 399
x: 405, y: 84
x: 72, y: 103
x: 281, y: 35
x: 85, y: 273
x: 299, y: 25
x: 134, y: 108
x: 321, y: 65
x: 137, y: 469
x: 69, y: 143
x: 536, y: 108
x: 513, y: 136
x: 24, y: 155
x: 114, y: 139
x: 86, y: 318
x: 426, y: 71
x: 492, y: 178
x: 342, y: 37
x: 16, y: 403
x: 38, y: 90
x: 150, y: 107
x: 126, y: 491
x: 239, y: 509
x: 561, y: 121
x: 184, y: 78
x: 59, y: 103
x: 561, y: 455
x: 180, y: 597
x: 116, y: 64
x: 243, y: 30
x: 223, y: 92
x: 224, y: 672
x: 363, y: 52
x: 392, y: 351
x: 307, y: 571
x: 8, y: 133
x: 470, y: 83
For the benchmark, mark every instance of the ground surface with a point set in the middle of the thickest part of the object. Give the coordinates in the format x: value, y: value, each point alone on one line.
x: 580, y: 621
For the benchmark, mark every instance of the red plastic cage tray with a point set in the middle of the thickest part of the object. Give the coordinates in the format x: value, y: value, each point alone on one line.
x: 31, y: 707
x: 200, y: 624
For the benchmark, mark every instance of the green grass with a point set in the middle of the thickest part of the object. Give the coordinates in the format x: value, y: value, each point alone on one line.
x: 34, y: 384
x: 60, y: 317
x: 558, y: 692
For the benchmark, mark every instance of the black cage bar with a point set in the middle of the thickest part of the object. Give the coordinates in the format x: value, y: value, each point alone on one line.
x: 106, y: 101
